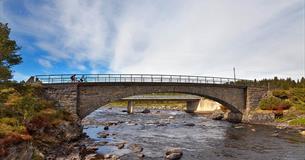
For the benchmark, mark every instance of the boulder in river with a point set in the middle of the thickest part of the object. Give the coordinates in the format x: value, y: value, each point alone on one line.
x: 173, y: 154
x: 302, y: 133
x: 103, y: 134
x: 106, y: 128
x: 189, y: 124
x: 120, y: 145
x: 146, y: 111
x: 135, y: 148
x: 217, y: 115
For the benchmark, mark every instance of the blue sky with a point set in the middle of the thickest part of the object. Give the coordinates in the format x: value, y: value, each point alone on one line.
x: 259, y: 38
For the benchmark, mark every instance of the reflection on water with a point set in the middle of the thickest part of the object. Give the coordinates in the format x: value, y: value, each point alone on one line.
x: 207, y: 139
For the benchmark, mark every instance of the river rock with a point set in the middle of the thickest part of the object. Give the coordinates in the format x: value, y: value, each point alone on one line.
x: 217, y: 115
x: 89, y: 150
x: 171, y: 117
x: 106, y: 128
x: 22, y: 150
x: 90, y: 157
x: 302, y: 133
x: 141, y: 155
x: 120, y: 145
x: 275, y: 135
x: 105, y: 157
x: 189, y: 124
x: 67, y: 131
x: 146, y: 111
x: 135, y: 148
x: 173, y: 154
x: 103, y: 134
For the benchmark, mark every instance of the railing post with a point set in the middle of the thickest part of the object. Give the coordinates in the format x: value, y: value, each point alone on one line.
x: 213, y: 81
x: 161, y: 78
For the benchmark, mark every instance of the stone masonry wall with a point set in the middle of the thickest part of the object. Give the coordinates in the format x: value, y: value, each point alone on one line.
x: 254, y: 95
x: 65, y: 96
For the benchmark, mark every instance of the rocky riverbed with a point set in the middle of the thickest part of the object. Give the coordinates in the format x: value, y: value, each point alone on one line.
x: 165, y: 134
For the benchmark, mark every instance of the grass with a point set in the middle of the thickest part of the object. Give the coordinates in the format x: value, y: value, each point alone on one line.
x: 8, y: 129
x: 274, y: 103
x: 297, y: 122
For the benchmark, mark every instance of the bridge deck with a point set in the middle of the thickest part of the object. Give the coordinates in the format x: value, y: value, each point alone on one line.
x: 152, y: 78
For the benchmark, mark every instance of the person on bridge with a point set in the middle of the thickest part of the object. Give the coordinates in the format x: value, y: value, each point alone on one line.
x: 73, y: 78
x: 83, y: 78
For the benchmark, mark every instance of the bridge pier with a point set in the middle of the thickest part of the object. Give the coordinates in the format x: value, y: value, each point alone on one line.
x: 130, y: 107
x: 191, y: 106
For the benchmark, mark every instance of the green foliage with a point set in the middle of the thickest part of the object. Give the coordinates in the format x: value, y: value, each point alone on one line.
x: 11, y: 126
x: 21, y: 106
x: 8, y: 56
x: 275, y: 83
x: 274, y: 103
x: 298, y: 122
x: 280, y: 93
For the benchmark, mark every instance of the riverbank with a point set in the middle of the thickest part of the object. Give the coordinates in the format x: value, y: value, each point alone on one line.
x: 32, y: 127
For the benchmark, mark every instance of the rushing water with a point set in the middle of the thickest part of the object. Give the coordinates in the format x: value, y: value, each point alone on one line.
x: 207, y: 139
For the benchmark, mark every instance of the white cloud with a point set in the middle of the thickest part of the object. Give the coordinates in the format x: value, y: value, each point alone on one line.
x: 260, y: 38
x: 45, y: 63
x: 20, y: 77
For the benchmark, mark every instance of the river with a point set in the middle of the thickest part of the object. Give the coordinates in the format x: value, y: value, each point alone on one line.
x: 198, y: 136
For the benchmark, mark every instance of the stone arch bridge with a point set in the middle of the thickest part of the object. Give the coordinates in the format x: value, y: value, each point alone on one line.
x: 90, y: 92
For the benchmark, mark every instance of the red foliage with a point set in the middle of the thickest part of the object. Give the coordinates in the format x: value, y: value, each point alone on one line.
x: 10, y: 140
x: 37, y: 123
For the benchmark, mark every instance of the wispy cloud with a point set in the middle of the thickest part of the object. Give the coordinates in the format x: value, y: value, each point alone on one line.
x: 20, y: 76
x: 45, y: 63
x: 260, y: 38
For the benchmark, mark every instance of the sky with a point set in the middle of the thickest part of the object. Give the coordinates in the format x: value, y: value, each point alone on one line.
x: 260, y: 38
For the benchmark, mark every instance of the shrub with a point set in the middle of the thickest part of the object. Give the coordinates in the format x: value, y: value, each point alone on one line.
x: 282, y: 94
x: 274, y: 103
x: 10, y: 126
x: 298, y: 122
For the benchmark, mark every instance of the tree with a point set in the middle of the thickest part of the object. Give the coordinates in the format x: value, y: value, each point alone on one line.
x: 8, y: 56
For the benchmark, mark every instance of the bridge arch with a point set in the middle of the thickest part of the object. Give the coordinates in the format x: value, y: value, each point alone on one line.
x: 93, y: 96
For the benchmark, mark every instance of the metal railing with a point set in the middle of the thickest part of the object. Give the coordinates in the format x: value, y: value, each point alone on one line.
x: 84, y: 78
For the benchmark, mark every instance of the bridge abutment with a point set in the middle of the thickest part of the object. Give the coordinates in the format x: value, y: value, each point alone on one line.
x: 65, y: 96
